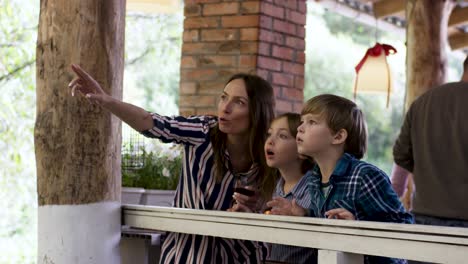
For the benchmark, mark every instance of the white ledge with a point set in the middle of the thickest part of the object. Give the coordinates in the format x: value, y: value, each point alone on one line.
x: 416, y: 242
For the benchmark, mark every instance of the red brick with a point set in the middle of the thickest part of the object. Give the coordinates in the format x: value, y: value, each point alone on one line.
x: 188, y: 62
x: 270, y: 36
x: 297, y: 107
x: 247, y: 61
x: 211, y: 87
x: 240, y: 21
x: 284, y: 27
x: 302, y: 6
x: 299, y: 82
x: 276, y: 91
x: 197, y: 100
x: 188, y: 88
x: 219, y: 34
x: 272, y: 10
x: 294, y: 68
x: 292, y: 4
x: 221, y: 9
x: 199, y: 48
x: 296, y: 17
x: 282, y: 79
x: 296, y: 43
x: 250, y: 47
x: 207, y: 111
x: 190, y: 35
x: 198, y: 74
x: 252, y: 7
x: 263, y: 73
x: 301, y: 31
x: 269, y: 63
x: 201, y: 22
x: 229, y: 47
x: 283, y: 106
x: 264, y: 48
x: 188, y: 2
x: 266, y: 22
x: 282, y: 52
x: 217, y: 61
x: 248, y: 70
x: 300, y: 57
x: 185, y: 111
x: 292, y: 94
x: 226, y: 74
x: 249, y: 34
x: 192, y: 10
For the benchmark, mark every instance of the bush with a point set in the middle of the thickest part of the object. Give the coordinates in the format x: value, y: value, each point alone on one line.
x: 146, y: 169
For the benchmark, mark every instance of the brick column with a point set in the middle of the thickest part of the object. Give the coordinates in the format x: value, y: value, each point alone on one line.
x: 222, y: 38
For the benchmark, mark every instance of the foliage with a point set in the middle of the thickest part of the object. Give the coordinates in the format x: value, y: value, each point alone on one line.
x: 18, y: 228
x: 152, y: 61
x: 149, y: 170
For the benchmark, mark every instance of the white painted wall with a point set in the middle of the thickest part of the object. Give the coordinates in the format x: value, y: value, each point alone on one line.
x: 75, y: 234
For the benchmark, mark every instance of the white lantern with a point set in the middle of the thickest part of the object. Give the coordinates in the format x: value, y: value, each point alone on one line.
x: 373, y: 73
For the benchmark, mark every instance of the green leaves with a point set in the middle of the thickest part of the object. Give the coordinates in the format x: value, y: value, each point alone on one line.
x: 153, y: 172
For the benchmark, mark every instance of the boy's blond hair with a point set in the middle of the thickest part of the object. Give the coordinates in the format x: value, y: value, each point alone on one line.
x: 341, y: 113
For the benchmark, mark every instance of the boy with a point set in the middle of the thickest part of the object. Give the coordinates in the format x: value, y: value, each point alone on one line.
x: 333, y: 132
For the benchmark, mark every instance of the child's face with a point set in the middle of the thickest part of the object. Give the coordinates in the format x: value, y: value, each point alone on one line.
x: 280, y: 146
x: 313, y: 135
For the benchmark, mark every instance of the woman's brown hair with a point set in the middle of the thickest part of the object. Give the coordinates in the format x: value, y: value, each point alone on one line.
x: 261, y: 112
x: 341, y: 113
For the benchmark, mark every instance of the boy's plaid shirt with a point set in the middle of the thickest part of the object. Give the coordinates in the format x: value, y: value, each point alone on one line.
x: 362, y: 189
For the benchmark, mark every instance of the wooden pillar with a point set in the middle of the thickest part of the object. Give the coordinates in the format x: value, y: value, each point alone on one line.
x: 222, y: 38
x: 77, y: 144
x: 427, y: 23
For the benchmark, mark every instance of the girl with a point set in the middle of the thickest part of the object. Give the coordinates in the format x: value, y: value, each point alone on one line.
x: 281, y: 153
x: 216, y: 149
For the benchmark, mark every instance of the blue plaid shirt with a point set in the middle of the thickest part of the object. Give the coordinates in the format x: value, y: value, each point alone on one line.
x: 362, y: 189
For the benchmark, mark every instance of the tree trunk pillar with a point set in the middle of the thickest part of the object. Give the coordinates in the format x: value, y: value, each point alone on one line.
x: 426, y: 36
x: 77, y: 144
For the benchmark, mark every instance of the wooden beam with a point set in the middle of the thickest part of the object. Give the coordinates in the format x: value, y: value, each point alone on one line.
x: 385, y: 8
x: 458, y: 41
x: 357, y: 15
x: 458, y: 17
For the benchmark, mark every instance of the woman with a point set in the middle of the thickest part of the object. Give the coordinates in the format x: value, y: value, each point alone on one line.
x: 216, y: 149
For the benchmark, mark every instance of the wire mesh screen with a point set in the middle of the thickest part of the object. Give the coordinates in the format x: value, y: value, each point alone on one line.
x: 133, y: 144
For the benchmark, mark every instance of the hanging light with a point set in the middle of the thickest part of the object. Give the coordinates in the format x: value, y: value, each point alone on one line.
x: 154, y: 6
x: 373, y: 73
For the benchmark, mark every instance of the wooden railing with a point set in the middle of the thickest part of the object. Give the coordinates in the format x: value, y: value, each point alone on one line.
x: 338, y: 241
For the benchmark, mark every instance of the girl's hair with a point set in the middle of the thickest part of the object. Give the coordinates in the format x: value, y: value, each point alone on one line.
x: 261, y: 112
x: 294, y: 121
x: 341, y: 113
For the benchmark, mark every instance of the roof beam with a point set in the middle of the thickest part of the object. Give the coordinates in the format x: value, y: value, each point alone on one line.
x: 458, y: 41
x: 458, y: 17
x: 358, y: 15
x: 385, y: 8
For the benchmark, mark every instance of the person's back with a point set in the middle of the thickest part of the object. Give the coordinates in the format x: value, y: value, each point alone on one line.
x: 434, y: 146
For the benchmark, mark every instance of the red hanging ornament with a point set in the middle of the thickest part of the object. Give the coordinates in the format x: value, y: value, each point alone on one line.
x: 373, y: 73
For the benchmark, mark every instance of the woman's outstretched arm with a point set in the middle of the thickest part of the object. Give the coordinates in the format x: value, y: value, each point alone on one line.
x: 136, y: 117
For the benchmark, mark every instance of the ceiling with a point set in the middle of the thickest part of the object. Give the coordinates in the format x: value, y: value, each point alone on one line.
x: 391, y: 17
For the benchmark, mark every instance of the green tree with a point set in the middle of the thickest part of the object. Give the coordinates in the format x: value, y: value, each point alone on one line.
x: 18, y: 29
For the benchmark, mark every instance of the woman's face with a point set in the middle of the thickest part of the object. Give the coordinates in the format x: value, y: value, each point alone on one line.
x: 233, y: 108
x: 280, y: 146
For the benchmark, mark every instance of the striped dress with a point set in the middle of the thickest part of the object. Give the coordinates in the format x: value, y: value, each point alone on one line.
x: 198, y: 189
